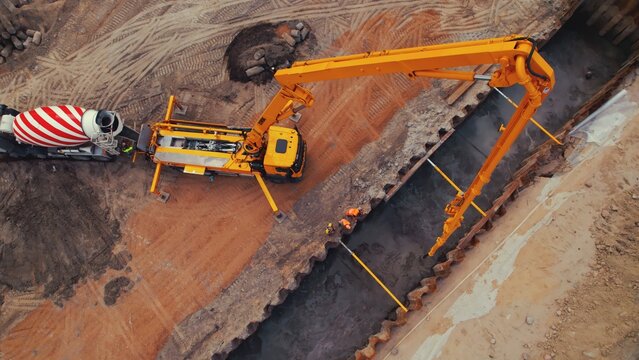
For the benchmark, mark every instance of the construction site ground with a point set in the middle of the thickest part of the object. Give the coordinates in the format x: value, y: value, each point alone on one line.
x: 335, y: 310
x: 93, y: 267
x: 556, y: 277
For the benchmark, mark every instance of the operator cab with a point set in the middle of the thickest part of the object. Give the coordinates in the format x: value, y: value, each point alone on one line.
x: 285, y: 154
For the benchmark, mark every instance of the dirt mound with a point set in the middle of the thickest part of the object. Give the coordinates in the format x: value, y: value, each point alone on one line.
x: 114, y: 288
x: 56, y: 229
x: 257, y: 52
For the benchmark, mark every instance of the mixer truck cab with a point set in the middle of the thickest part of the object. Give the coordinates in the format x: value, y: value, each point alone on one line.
x: 63, y: 131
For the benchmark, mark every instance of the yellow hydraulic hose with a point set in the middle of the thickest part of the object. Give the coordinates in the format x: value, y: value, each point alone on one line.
x: 452, y: 183
x: 370, y: 272
x: 531, y: 119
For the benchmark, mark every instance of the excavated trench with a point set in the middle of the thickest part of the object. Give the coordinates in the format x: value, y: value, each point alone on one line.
x: 338, y: 305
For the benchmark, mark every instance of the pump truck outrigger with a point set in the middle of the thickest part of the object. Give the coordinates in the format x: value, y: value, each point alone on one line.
x: 278, y: 153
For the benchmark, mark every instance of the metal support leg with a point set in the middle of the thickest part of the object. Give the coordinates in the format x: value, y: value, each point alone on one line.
x: 162, y: 196
x: 279, y: 215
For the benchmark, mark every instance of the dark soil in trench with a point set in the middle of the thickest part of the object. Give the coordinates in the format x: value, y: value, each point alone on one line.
x: 338, y: 305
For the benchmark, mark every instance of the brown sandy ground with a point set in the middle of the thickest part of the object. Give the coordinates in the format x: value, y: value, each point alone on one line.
x: 556, y: 278
x: 212, y: 259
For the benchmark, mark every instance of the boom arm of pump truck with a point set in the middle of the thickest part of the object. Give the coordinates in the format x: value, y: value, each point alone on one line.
x: 519, y: 61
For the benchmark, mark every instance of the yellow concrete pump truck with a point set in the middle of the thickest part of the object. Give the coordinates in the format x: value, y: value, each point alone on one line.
x: 278, y: 153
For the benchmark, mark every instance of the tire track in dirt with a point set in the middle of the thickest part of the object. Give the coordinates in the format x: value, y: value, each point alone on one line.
x: 88, y: 62
x: 121, y: 38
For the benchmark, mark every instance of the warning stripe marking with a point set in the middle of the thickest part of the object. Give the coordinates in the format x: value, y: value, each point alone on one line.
x: 51, y: 126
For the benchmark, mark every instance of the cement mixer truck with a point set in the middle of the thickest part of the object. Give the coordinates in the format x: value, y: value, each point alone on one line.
x: 61, y: 132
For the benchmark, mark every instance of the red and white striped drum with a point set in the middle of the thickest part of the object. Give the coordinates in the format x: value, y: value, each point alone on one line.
x: 51, y: 126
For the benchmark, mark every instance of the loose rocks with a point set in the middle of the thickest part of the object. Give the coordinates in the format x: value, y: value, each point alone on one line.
x: 12, y: 38
x: 256, y: 53
x: 12, y: 35
x: 114, y: 288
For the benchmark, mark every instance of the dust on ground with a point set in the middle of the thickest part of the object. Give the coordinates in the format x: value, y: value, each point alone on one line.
x: 598, y: 318
x: 556, y: 277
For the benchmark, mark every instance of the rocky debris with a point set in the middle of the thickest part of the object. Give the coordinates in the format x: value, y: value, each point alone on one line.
x: 252, y: 71
x: 592, y: 354
x: 530, y: 320
x: 304, y: 33
x: 257, y: 53
x: 12, y: 36
x: 289, y: 39
x: 114, y: 288
x: 37, y: 38
x: 6, y: 51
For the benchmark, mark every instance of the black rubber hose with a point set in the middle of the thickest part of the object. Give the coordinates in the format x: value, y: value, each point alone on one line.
x: 529, y: 58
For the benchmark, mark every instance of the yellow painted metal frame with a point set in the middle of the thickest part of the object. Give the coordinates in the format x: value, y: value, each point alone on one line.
x: 267, y: 193
x: 154, y: 137
x: 171, y: 127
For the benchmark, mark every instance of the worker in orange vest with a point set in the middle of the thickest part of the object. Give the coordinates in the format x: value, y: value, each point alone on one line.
x: 345, y: 226
x: 354, y: 213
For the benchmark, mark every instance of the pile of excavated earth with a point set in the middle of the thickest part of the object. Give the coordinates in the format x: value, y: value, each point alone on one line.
x: 257, y: 52
x: 14, y: 34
